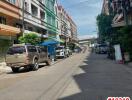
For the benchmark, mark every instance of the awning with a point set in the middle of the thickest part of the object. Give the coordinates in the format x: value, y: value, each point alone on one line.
x: 49, y: 42
x: 6, y: 30
x: 56, y: 39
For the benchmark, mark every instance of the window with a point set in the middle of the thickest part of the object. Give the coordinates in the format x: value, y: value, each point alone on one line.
x: 30, y: 28
x: 16, y: 50
x: 34, y: 10
x: 31, y: 49
x: 18, y: 25
x: 50, y: 4
x: 44, y: 49
x: 2, y: 20
x: 42, y: 15
x: 12, y: 1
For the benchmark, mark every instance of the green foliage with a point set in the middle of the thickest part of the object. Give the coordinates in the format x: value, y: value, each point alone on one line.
x: 125, y: 38
x: 5, y: 43
x: 104, y: 26
x: 31, y: 38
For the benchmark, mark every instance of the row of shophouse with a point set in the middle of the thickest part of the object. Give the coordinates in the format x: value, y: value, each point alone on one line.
x: 121, y: 12
x: 43, y: 17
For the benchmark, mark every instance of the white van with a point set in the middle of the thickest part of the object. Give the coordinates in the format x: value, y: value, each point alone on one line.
x: 60, y: 52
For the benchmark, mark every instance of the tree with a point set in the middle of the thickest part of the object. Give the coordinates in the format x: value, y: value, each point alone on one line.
x: 104, y: 26
x: 125, y: 39
x: 31, y: 38
x: 4, y: 45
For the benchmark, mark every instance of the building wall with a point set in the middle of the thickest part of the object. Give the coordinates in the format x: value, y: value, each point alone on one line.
x: 9, y: 15
x: 9, y: 8
x: 41, y: 15
x: 67, y: 25
x: 105, y: 7
x: 122, y: 11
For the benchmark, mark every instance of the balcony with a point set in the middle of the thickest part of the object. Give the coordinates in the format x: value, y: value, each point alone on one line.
x: 118, y: 24
x: 6, y: 30
x: 9, y: 9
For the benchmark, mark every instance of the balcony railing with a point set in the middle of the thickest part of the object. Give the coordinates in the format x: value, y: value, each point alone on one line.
x: 8, y: 30
x: 9, y: 9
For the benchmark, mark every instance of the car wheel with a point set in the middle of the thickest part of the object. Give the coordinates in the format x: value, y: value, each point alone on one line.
x: 14, y: 69
x: 35, y: 65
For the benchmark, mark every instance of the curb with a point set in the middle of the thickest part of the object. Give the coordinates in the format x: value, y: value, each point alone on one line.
x: 2, y: 73
x: 4, y: 68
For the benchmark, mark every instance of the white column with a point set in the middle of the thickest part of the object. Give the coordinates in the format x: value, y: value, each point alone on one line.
x: 38, y: 12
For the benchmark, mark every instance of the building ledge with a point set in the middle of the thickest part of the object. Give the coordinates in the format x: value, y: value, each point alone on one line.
x: 8, y: 30
x: 119, y: 24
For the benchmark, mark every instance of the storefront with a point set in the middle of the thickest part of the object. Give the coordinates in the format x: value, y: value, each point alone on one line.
x: 7, y: 37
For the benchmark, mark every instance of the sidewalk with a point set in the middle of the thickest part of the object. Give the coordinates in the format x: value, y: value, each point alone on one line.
x: 4, y: 68
x: 130, y: 64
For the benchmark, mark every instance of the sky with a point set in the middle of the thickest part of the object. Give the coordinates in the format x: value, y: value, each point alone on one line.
x: 84, y: 13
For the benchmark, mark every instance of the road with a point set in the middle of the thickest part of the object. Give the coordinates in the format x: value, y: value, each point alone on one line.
x: 44, y: 84
x: 99, y: 78
x: 84, y: 76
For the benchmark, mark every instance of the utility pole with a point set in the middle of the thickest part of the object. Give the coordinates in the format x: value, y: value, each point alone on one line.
x: 23, y: 26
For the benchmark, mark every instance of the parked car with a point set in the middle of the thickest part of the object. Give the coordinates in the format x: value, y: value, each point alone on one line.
x: 101, y: 49
x: 28, y: 56
x: 60, y: 52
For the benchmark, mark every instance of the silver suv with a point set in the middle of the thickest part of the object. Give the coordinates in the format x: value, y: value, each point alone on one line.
x: 28, y: 56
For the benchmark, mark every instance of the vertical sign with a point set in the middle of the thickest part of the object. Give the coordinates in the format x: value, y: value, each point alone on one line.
x: 118, y: 55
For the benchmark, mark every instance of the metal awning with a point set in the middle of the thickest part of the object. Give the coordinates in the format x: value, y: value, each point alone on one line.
x: 6, y: 30
x: 49, y: 42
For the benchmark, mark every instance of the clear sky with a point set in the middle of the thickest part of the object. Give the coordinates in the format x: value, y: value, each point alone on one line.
x: 84, y: 14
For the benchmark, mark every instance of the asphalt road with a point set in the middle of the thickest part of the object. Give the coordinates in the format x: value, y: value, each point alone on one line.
x: 84, y: 76
x: 45, y: 84
x: 99, y: 78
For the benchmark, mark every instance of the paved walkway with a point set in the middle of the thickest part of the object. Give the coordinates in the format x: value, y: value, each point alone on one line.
x: 97, y: 79
x: 4, y: 68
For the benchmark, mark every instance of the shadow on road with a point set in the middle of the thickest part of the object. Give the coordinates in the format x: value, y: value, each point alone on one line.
x: 25, y: 70
x: 98, y: 82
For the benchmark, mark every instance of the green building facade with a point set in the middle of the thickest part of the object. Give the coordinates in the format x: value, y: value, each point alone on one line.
x: 51, y: 17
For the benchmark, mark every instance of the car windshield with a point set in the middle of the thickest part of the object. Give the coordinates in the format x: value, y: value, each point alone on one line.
x: 14, y: 50
x: 58, y: 48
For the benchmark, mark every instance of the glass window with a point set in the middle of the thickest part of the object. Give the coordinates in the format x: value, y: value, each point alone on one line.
x: 34, y: 10
x: 2, y: 20
x: 44, y: 49
x: 18, y: 50
x: 31, y: 49
x: 12, y: 1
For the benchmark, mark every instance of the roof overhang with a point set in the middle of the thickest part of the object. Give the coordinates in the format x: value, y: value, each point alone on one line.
x: 119, y: 24
x: 6, y: 30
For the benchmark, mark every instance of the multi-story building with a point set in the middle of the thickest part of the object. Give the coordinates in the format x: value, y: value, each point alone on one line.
x: 105, y: 7
x: 67, y: 27
x: 73, y: 31
x: 43, y: 17
x: 62, y: 23
x: 122, y: 11
x: 40, y: 16
x: 9, y: 18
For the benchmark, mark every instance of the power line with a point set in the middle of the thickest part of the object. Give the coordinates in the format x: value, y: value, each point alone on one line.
x: 77, y: 4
